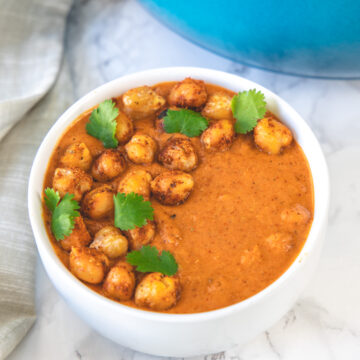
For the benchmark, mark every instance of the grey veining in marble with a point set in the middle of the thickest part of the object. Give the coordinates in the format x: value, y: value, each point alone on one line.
x: 106, y: 39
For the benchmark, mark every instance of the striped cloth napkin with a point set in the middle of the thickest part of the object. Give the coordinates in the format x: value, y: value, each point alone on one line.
x: 31, y: 45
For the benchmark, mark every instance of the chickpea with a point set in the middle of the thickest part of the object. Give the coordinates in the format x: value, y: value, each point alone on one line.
x: 179, y: 154
x: 124, y: 128
x: 297, y: 215
x: 141, y: 236
x: 99, y: 202
x: 218, y: 107
x: 111, y: 242
x: 172, y: 187
x: 219, y: 136
x: 141, y: 149
x: 142, y: 102
x: 108, y: 165
x: 94, y: 226
x: 87, y: 264
x: 188, y: 93
x: 77, y: 155
x: 79, y: 236
x: 120, y: 281
x: 157, y: 292
x: 279, y: 242
x: 136, y: 181
x: 159, y: 121
x: 73, y: 181
x: 272, y: 136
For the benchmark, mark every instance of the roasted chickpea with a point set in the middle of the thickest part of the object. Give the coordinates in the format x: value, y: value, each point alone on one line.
x: 188, y: 93
x: 297, y: 215
x: 179, y: 154
x: 77, y: 155
x: 272, y: 136
x: 141, y: 149
x: 218, y: 107
x: 111, y: 242
x: 142, y: 102
x: 87, y: 264
x: 219, y: 136
x: 108, y: 165
x: 172, y: 187
x: 159, y: 121
x: 120, y: 281
x: 141, y: 236
x: 157, y: 292
x: 124, y: 128
x: 94, y: 226
x: 279, y: 242
x: 136, y: 181
x: 73, y: 181
x: 79, y: 236
x: 99, y: 202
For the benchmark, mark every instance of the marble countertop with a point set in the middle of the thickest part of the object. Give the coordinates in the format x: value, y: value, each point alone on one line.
x: 107, y: 39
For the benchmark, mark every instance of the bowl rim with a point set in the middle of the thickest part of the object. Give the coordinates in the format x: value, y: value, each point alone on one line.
x: 171, y: 73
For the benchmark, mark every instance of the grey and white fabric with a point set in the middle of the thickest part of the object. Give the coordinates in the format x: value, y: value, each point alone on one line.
x: 31, y: 46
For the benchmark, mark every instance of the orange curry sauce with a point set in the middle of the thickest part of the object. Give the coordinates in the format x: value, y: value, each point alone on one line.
x: 222, y: 228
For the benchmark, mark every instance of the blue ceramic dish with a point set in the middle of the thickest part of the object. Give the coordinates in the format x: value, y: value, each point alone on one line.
x: 314, y: 38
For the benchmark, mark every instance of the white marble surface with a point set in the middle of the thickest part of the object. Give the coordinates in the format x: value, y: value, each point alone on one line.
x: 106, y: 39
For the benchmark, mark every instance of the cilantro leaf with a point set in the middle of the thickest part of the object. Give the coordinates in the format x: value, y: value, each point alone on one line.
x: 51, y: 198
x: 131, y: 210
x: 248, y: 107
x: 147, y: 259
x: 63, y: 213
x: 184, y: 121
x: 102, y: 124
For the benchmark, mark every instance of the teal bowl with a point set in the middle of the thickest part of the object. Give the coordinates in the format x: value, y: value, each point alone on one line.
x: 314, y: 38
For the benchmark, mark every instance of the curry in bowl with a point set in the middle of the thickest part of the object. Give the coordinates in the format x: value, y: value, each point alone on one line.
x: 182, y: 197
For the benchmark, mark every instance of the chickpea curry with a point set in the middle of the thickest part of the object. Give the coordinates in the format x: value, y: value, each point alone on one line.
x: 182, y: 197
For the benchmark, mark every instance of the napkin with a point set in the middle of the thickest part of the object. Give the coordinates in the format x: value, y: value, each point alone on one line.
x: 31, y: 45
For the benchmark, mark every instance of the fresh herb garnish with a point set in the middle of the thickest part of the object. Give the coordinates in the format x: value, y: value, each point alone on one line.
x: 102, y: 124
x: 184, y: 121
x: 131, y: 210
x: 148, y: 259
x: 248, y: 107
x: 63, y: 213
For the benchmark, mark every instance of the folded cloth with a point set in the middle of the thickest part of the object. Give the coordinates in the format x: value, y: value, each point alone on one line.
x: 31, y: 44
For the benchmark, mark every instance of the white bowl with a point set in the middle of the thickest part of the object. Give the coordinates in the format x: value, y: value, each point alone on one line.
x: 189, y: 334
